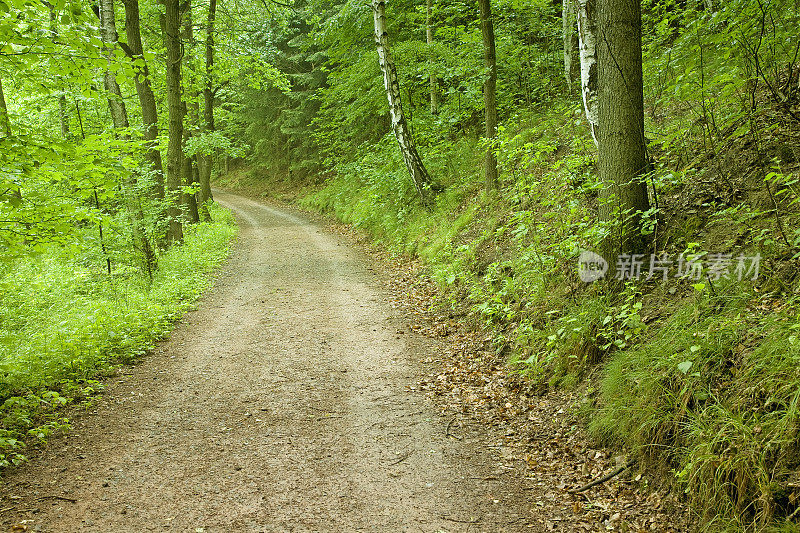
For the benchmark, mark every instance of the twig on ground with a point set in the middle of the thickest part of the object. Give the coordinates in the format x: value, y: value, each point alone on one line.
x: 54, y: 497
x: 605, y: 478
x: 472, y: 521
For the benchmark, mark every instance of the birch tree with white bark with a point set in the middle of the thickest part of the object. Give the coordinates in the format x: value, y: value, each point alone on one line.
x: 587, y: 52
x: 419, y: 175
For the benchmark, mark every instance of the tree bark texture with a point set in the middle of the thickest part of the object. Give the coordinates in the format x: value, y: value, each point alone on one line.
x: 489, y: 91
x: 434, y: 87
x: 622, y: 154
x: 193, y: 113
x: 144, y: 90
x: 171, y: 27
x: 108, y: 34
x: 587, y: 52
x: 205, y: 162
x: 419, y: 175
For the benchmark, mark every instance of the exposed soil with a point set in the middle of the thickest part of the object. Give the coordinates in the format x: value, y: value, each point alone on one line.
x: 287, y: 402
x: 535, y: 433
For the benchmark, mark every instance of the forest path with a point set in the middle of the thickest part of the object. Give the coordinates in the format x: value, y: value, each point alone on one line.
x: 283, y: 403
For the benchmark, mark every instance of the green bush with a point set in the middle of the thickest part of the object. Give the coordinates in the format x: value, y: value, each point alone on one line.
x: 64, y: 321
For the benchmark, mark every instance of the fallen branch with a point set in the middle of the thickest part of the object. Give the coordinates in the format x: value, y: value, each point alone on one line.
x: 605, y: 478
x: 54, y: 497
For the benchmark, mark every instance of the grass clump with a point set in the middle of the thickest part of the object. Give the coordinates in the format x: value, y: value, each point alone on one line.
x: 711, y: 395
x: 64, y: 321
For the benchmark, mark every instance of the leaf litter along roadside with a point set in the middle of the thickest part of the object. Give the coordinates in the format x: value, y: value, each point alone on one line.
x: 533, y: 434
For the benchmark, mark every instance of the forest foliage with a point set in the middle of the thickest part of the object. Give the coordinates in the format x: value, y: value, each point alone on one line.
x: 88, y: 276
x: 695, y: 378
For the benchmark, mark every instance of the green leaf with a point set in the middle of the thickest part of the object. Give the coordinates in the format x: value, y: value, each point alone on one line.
x: 685, y: 366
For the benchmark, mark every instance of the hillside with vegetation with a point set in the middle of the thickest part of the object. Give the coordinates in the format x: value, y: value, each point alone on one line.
x: 517, y: 148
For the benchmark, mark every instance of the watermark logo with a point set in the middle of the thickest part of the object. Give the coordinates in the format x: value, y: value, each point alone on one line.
x: 591, y: 266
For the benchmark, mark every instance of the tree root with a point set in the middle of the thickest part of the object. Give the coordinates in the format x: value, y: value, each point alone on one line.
x: 603, y: 479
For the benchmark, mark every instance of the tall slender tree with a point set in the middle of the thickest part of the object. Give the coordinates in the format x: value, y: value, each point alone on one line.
x: 171, y: 28
x: 489, y: 91
x: 192, y: 112
x: 119, y: 115
x: 622, y: 159
x: 147, y: 100
x: 108, y: 34
x: 63, y: 116
x: 433, y: 85
x: 5, y: 121
x: 205, y: 161
x: 587, y: 52
x: 5, y: 124
x: 419, y: 175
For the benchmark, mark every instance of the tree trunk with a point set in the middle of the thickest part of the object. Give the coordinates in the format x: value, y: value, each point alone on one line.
x: 419, y: 175
x: 144, y: 90
x: 5, y: 121
x: 193, y: 112
x: 569, y: 21
x: 622, y: 151
x: 5, y: 124
x: 587, y: 47
x: 489, y: 88
x: 80, y: 120
x: 171, y: 27
x: 187, y: 171
x: 108, y: 34
x: 205, y: 162
x: 434, y: 88
x: 63, y: 117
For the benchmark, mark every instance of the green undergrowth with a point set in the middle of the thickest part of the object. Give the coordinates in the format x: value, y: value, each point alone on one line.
x: 65, y: 322
x: 698, y: 378
x: 250, y: 181
x: 712, y: 392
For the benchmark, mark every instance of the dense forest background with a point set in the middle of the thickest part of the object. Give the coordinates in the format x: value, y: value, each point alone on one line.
x: 115, y: 118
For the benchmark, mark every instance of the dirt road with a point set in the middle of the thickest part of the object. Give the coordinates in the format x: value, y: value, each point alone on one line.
x: 284, y: 403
